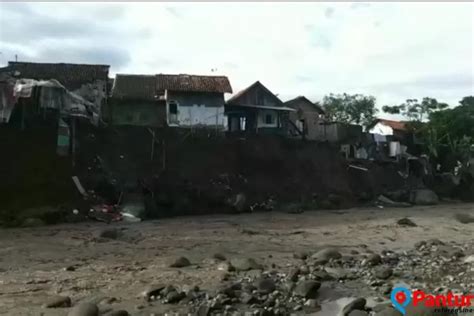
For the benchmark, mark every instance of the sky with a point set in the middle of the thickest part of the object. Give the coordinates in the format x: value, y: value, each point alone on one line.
x: 393, y: 51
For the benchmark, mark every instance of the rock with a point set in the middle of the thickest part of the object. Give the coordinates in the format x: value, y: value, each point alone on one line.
x: 119, y: 313
x: 307, y: 288
x: 245, y: 264
x: 356, y: 304
x: 153, y: 290
x: 33, y: 222
x: 225, y: 266
x: 180, y: 262
x: 248, y: 299
x: 219, y: 256
x: 469, y: 259
x: 203, y: 310
x: 59, y: 301
x: 337, y: 273
x: 406, y: 222
x: 464, y: 218
x: 383, y: 273
x: 373, y: 260
x: 358, y: 313
x: 265, y: 285
x: 174, y: 297
x: 423, y: 197
x: 300, y: 255
x: 312, y: 304
x: 70, y: 268
x: 84, y: 309
x: 325, y: 255
x: 322, y: 275
x: 293, y: 274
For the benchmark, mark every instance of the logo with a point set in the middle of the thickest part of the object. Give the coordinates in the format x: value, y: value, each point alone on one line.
x: 400, y: 297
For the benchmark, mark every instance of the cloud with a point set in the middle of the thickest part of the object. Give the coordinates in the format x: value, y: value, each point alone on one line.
x: 390, y: 50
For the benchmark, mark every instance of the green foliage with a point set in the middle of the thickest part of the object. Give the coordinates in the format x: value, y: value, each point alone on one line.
x: 414, y: 110
x: 355, y: 109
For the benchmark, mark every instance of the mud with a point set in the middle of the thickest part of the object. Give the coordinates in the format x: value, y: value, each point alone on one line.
x: 74, y: 260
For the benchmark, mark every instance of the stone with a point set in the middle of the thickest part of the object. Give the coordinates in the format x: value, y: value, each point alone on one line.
x: 219, y: 256
x: 374, y: 259
x: 152, y: 290
x: 265, y: 285
x: 84, y: 309
x: 406, y: 222
x: 59, y: 301
x: 119, y: 313
x: 33, y: 222
x: 174, y: 297
x: 225, y: 266
x: 245, y: 264
x: 70, y: 268
x: 203, y: 310
x: 325, y: 255
x: 247, y: 298
x: 307, y: 288
x: 312, y: 304
x: 322, y: 275
x: 240, y: 202
x: 293, y: 274
x: 180, y: 262
x: 356, y: 304
x: 383, y: 273
x: 300, y: 255
x: 423, y: 197
x: 337, y: 273
x: 464, y: 218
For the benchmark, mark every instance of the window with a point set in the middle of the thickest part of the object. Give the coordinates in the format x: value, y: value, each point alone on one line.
x: 268, y: 119
x: 173, y: 107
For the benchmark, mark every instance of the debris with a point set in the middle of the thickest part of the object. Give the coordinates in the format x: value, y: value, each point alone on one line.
x: 383, y: 273
x: 245, y: 264
x: 383, y: 200
x: 219, y: 256
x: 59, y: 301
x: 33, y: 222
x: 127, y: 217
x: 325, y: 255
x: 307, y: 289
x: 180, y: 262
x: 356, y: 304
x: 464, y: 218
x: 406, y: 222
x: 359, y: 168
x: 79, y: 186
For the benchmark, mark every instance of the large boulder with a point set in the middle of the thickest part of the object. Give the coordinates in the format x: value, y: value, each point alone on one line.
x: 423, y: 197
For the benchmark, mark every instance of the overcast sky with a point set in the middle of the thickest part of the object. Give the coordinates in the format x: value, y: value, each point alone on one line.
x: 393, y: 51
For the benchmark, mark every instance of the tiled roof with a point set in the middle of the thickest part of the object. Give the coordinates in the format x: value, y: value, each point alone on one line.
x: 135, y: 87
x: 396, y: 125
x: 150, y: 86
x: 235, y: 98
x: 193, y: 83
x: 72, y: 76
x: 293, y: 103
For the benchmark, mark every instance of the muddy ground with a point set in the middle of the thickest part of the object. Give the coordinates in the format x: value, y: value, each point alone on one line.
x: 72, y: 260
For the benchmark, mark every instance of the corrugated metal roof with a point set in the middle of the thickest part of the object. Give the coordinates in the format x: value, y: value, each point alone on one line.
x: 397, y: 125
x: 294, y: 103
x: 72, y: 76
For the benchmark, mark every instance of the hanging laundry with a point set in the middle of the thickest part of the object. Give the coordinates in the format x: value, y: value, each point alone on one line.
x: 7, y: 101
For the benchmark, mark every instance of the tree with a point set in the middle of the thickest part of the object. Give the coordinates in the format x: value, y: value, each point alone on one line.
x: 415, y: 110
x: 355, y: 109
x: 467, y: 101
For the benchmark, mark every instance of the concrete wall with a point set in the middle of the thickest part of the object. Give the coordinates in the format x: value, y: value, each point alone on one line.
x: 197, y: 109
x: 94, y: 92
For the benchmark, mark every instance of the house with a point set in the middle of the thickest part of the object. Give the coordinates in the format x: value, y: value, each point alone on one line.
x: 307, y: 117
x: 257, y: 110
x: 169, y: 100
x: 88, y: 81
x: 382, y: 128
